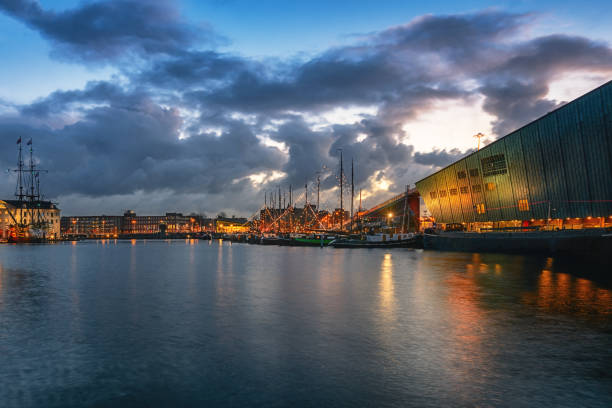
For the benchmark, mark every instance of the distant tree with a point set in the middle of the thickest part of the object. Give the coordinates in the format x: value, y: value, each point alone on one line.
x: 222, y: 214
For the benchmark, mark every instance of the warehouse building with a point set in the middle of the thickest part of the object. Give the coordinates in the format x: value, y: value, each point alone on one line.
x: 553, y: 173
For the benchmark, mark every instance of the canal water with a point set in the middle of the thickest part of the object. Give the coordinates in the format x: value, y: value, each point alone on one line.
x: 192, y: 323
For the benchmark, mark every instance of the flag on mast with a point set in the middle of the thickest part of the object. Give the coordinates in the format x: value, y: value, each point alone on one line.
x: 19, y: 141
x: 29, y: 142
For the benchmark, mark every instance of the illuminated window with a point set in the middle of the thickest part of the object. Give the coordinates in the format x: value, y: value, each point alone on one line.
x: 453, y: 191
x: 473, y: 172
x: 461, y: 174
x: 433, y: 194
x: 476, y: 188
x: 464, y: 190
x: 523, y: 205
x: 480, y: 208
x: 490, y: 186
x: 442, y: 193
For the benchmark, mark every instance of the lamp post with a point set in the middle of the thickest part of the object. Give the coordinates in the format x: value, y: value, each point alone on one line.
x: 479, y: 136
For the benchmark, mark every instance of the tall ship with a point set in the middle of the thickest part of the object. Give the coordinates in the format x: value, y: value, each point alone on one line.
x: 28, y: 218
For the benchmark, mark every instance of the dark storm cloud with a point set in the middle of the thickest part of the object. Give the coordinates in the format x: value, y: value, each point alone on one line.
x: 105, y: 30
x: 119, y: 151
x: 120, y: 138
x: 515, y: 103
x: 93, y: 93
x: 439, y: 158
x: 516, y: 89
x: 336, y: 78
x: 193, y: 69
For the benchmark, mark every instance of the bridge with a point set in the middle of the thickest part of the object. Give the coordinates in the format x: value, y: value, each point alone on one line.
x: 392, y: 210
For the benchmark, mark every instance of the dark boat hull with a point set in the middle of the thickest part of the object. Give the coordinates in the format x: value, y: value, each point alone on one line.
x: 407, y: 243
x: 13, y: 240
x: 275, y: 241
x: 309, y: 242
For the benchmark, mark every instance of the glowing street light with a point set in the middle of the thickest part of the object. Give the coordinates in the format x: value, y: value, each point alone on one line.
x: 479, y: 136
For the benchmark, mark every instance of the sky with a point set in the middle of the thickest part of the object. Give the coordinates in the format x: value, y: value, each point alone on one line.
x: 205, y: 106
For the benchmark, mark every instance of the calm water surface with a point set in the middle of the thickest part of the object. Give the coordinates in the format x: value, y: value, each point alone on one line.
x: 178, y: 323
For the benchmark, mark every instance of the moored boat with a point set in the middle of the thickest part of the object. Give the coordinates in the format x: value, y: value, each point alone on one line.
x: 269, y: 239
x: 408, y: 240
x: 316, y: 240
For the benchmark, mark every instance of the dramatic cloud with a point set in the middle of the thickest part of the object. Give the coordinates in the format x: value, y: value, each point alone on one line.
x: 439, y: 158
x: 516, y: 90
x: 190, y: 128
x: 105, y: 30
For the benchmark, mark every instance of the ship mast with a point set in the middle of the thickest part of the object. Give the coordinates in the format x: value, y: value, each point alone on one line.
x: 352, y: 192
x: 19, y: 190
x: 341, y: 198
x: 32, y: 196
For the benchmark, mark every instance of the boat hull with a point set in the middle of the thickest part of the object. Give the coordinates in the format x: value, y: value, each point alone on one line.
x: 27, y: 240
x: 309, y: 242
x: 407, y: 243
x: 275, y: 241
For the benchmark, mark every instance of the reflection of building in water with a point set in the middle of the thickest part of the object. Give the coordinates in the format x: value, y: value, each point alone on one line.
x: 467, y: 321
x: 564, y: 293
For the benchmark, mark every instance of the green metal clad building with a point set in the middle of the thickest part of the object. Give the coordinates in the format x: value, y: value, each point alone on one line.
x: 557, y: 167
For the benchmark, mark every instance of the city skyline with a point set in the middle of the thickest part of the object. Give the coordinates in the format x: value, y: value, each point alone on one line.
x: 177, y: 106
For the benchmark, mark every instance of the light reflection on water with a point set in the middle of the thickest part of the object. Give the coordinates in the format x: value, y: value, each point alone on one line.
x: 115, y: 323
x: 566, y: 294
x: 387, y: 294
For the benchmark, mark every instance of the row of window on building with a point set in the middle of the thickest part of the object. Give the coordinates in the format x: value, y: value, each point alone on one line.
x: 473, y: 173
x: 523, y: 205
x: 476, y: 188
x: 130, y: 223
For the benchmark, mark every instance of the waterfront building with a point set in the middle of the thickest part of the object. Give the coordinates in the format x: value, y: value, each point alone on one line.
x: 97, y: 225
x: 106, y: 226
x: 232, y: 225
x: 553, y: 173
x: 15, y: 212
